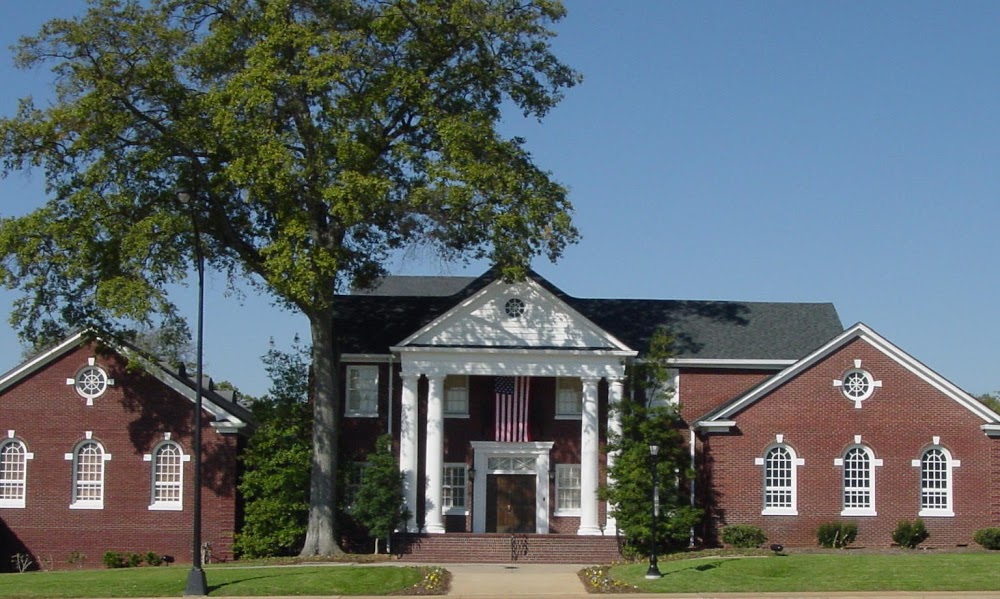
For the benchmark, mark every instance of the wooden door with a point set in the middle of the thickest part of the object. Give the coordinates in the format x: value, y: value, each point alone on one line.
x: 510, y: 503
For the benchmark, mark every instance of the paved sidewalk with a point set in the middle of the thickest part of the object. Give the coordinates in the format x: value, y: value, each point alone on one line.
x: 502, y: 581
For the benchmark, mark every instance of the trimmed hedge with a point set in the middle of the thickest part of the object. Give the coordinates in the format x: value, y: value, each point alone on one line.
x: 743, y: 536
x: 989, y: 538
x: 836, y: 535
x: 910, y: 534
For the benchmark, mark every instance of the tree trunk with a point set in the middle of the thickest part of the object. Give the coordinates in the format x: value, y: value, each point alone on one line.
x: 321, y: 533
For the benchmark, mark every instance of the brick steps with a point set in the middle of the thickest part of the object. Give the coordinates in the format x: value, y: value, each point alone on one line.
x: 504, y: 548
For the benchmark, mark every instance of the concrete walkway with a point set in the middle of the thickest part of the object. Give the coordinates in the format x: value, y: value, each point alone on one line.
x: 482, y: 581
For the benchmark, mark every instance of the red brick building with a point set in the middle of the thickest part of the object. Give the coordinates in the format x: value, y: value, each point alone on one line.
x: 96, y: 456
x: 499, y: 394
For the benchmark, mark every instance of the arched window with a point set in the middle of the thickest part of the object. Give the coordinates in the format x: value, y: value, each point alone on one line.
x: 859, y: 481
x: 936, y: 489
x: 88, y: 476
x: 168, y: 477
x: 780, y: 487
x: 13, y: 473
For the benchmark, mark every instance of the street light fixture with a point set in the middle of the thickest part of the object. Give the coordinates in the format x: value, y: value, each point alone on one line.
x: 196, y: 583
x: 654, y: 571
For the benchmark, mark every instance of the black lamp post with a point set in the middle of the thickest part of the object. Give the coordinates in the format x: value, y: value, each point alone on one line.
x: 654, y: 571
x: 196, y: 583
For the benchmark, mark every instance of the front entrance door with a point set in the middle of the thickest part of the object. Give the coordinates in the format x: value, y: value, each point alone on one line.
x: 510, y: 501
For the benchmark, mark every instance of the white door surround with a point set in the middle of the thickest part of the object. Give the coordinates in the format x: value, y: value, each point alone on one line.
x: 490, y: 459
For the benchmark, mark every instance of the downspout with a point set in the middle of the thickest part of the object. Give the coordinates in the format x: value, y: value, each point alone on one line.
x: 694, y: 481
x: 392, y: 378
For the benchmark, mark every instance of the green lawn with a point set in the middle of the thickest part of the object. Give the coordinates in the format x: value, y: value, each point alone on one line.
x: 916, y: 571
x: 170, y: 582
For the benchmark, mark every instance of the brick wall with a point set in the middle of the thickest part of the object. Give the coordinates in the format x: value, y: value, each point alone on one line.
x: 128, y: 420
x: 898, y: 422
x: 705, y: 389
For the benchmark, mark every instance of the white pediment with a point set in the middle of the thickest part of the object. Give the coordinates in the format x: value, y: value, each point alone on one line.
x: 522, y: 315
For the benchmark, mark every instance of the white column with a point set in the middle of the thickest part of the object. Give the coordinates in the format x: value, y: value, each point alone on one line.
x: 408, y: 432
x: 614, y: 428
x: 589, y: 454
x: 433, y: 519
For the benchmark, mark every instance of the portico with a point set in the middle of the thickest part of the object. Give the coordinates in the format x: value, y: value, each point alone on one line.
x: 509, y: 330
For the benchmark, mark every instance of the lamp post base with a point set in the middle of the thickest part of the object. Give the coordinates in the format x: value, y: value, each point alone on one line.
x: 654, y: 571
x: 196, y: 583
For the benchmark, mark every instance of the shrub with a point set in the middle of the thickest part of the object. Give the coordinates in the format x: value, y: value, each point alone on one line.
x: 113, y: 559
x: 22, y: 562
x: 989, y: 538
x: 837, y: 535
x: 743, y: 536
x: 910, y: 534
x: 153, y: 558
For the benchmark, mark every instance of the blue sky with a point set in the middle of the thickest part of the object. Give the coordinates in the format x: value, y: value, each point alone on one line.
x: 767, y: 151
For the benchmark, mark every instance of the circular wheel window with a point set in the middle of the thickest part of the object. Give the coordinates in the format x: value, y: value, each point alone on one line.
x: 514, y: 308
x: 91, y: 382
x: 858, y: 385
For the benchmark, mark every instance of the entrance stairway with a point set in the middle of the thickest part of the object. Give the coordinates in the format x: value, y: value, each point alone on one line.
x: 498, y: 548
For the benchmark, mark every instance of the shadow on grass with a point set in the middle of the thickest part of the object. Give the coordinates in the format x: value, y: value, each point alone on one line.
x: 249, y: 579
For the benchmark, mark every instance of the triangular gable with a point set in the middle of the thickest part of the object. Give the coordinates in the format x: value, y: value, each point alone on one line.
x: 722, y: 418
x: 229, y: 417
x: 528, y: 314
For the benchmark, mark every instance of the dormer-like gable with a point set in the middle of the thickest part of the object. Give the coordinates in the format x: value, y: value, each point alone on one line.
x: 855, y: 385
x: 519, y: 315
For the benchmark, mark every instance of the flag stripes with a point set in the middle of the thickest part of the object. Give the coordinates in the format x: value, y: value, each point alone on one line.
x: 512, y: 402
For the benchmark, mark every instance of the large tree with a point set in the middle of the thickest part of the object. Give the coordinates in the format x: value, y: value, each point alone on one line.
x: 649, y: 417
x: 316, y: 137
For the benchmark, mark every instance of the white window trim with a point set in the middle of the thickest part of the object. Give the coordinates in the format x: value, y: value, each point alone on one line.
x: 950, y: 465
x: 21, y: 501
x: 796, y: 463
x: 347, y: 395
x: 560, y: 382
x: 452, y: 378
x: 873, y: 463
x: 165, y: 506
x: 459, y: 510
x: 565, y: 511
x: 87, y: 504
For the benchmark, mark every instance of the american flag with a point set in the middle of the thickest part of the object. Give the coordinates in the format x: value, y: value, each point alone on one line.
x: 512, y: 395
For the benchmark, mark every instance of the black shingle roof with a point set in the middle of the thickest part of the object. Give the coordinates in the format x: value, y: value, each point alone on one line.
x: 701, y: 329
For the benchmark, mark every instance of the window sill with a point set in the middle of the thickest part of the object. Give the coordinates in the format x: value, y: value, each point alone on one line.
x: 936, y: 513
x: 573, y: 513
x: 569, y: 416
x: 8, y: 503
x: 360, y: 414
x: 858, y: 512
x: 93, y: 505
x: 166, y: 507
x: 456, y: 415
x: 779, y: 511
x: 455, y: 511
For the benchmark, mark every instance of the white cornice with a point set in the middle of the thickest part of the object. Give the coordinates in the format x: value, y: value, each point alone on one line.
x: 515, y: 351
x: 730, y: 363
x: 715, y: 426
x: 379, y: 358
x: 26, y: 368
